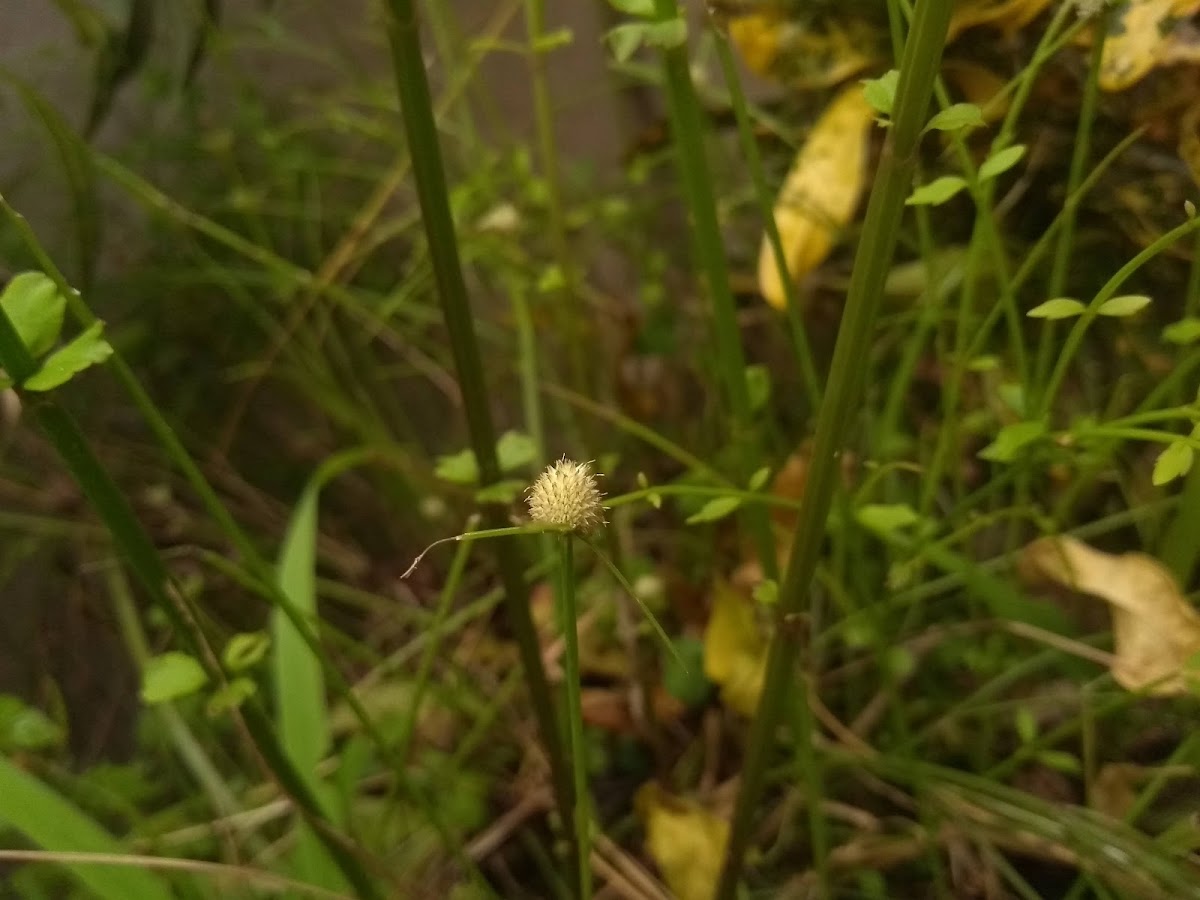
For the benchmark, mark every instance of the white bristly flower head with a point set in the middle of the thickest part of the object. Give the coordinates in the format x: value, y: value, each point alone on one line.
x: 566, y: 495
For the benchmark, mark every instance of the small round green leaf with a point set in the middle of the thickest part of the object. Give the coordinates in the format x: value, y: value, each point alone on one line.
x: 1058, y: 308
x: 245, y: 650
x: 1185, y: 331
x: 171, y: 676
x: 959, y: 115
x: 1001, y: 162
x: 1124, y: 306
x: 717, y: 508
x: 86, y: 350
x: 937, y: 191
x: 881, y: 92
x: 1172, y: 463
x: 233, y: 695
x: 886, y: 518
x: 35, y: 308
x: 1011, y: 439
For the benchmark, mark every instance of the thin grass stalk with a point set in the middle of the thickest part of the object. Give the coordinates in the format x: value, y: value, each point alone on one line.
x: 572, y: 688
x: 688, y: 129
x: 918, y: 69
x: 570, y: 319
x: 143, y: 559
x: 429, y: 177
x: 741, y: 111
x: 1057, y: 282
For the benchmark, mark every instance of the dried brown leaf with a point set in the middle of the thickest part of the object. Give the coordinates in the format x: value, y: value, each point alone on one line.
x: 1155, y: 629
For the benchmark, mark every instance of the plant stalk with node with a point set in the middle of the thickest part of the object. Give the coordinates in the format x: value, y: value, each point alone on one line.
x: 566, y: 498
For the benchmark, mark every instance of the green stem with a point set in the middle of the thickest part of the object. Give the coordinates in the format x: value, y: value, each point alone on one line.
x: 737, y: 100
x: 1066, y: 236
x: 570, y: 318
x: 572, y: 687
x: 918, y: 69
x: 430, y: 180
x: 688, y: 129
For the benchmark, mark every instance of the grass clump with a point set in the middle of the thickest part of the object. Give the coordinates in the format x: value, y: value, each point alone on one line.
x: 895, y: 497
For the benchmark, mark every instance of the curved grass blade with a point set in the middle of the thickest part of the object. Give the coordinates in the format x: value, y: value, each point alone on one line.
x: 53, y: 822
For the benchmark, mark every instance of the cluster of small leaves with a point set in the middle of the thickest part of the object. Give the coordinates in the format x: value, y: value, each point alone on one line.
x: 514, y: 451
x: 174, y: 675
x: 35, y: 307
x: 1069, y: 307
x: 628, y: 38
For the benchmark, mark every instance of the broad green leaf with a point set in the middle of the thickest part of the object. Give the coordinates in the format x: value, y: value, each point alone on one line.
x: 505, y: 491
x: 881, y: 92
x: 1011, y: 439
x: 1185, y: 331
x: 300, y: 703
x: 245, y: 650
x: 458, y: 468
x: 52, y: 822
x: 24, y: 727
x: 759, y: 479
x: 1172, y: 463
x: 1124, y: 306
x: 86, y: 350
x: 717, y: 508
x: 1058, y: 308
x: 35, y: 307
x: 952, y: 118
x: 515, y: 450
x: 937, y: 191
x: 171, y: 676
x: 75, y: 160
x: 885, y: 518
x: 1001, y: 162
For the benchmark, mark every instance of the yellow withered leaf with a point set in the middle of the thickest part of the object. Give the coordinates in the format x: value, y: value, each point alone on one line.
x: 1143, y: 34
x: 686, y: 841
x: 1155, y: 629
x: 820, y: 194
x: 735, y: 650
x: 1007, y: 15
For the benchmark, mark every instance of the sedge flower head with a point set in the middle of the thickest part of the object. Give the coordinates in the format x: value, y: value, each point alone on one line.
x: 566, y: 496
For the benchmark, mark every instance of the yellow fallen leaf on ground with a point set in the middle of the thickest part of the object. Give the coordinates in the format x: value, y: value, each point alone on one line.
x: 686, y: 841
x: 821, y: 192
x: 735, y: 650
x: 1143, y: 34
x: 1007, y: 15
x: 1155, y: 629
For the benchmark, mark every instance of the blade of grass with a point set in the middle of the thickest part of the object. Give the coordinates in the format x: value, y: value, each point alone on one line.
x: 77, y: 167
x: 688, y: 128
x: 301, y: 710
x: 53, y: 822
x: 425, y: 152
x: 918, y: 69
